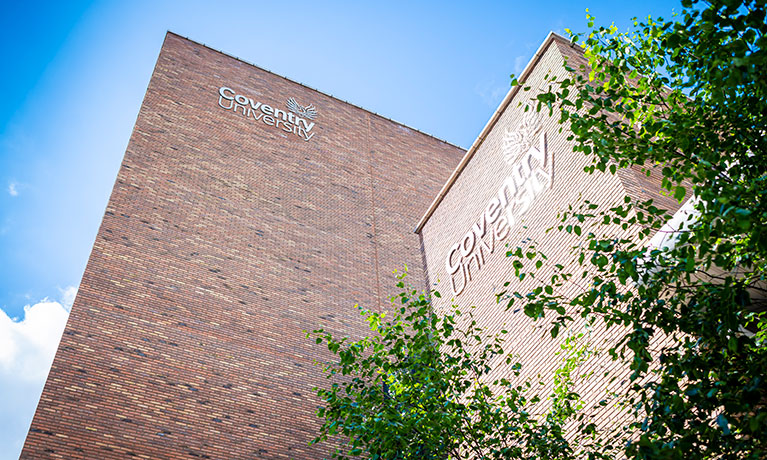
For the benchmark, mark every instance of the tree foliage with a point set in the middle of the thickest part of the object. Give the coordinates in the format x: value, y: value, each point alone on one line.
x: 684, y: 99
x: 420, y: 387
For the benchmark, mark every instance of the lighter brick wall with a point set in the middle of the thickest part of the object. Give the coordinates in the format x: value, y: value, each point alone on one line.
x: 463, y: 205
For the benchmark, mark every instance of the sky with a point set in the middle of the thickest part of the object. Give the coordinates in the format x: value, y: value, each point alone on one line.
x: 75, y: 74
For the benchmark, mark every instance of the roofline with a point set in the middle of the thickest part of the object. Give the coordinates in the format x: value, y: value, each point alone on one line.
x: 486, y: 130
x: 169, y: 32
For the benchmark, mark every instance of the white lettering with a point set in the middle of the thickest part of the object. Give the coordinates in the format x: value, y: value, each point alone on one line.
x: 493, y: 210
x: 529, y: 176
x: 508, y: 187
x: 452, y: 281
x: 467, y: 265
x: 490, y: 248
x: 225, y: 89
x: 285, y: 120
x: 467, y: 244
x: 280, y: 114
x: 502, y: 229
x: 450, y: 267
x: 221, y: 98
x: 480, y: 228
x: 308, y: 127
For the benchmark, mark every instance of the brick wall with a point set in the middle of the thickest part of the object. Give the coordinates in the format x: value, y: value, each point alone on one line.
x: 223, y: 240
x: 467, y: 199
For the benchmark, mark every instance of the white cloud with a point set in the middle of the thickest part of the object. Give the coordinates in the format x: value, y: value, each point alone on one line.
x: 27, y: 348
x: 68, y: 297
x: 491, y: 92
x: 13, y: 189
x: 519, y: 64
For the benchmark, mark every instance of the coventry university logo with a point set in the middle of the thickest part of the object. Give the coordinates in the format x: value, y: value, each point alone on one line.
x: 531, y: 171
x: 518, y: 141
x: 297, y: 120
x: 309, y: 112
x: 532, y: 165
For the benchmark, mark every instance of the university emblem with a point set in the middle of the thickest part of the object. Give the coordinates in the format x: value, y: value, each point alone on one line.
x: 525, y: 150
x: 530, y: 172
x: 518, y: 142
x: 309, y: 112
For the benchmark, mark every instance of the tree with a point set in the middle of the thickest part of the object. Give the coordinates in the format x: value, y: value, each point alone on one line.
x: 685, y: 99
x: 417, y: 387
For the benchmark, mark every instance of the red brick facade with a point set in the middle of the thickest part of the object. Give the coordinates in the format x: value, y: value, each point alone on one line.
x: 225, y: 237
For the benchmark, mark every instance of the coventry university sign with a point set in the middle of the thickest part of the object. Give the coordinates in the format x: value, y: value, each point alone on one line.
x: 531, y: 172
x: 296, y: 120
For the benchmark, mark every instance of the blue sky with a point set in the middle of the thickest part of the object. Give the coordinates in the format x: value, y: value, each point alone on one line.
x: 75, y: 73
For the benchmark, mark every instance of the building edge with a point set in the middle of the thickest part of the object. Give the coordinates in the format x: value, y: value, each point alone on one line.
x: 384, y: 117
x: 548, y: 41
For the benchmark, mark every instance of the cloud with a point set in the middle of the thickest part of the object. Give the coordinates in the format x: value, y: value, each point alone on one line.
x: 13, y: 189
x: 519, y: 64
x: 491, y: 92
x: 68, y: 297
x: 27, y: 348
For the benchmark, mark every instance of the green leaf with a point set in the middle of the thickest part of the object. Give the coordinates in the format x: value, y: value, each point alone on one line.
x: 679, y: 193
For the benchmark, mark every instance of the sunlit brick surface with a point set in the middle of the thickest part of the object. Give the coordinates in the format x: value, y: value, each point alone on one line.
x: 466, y: 201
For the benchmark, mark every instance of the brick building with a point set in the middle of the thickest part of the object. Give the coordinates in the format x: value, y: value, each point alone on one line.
x: 505, y: 194
x: 250, y: 208
x: 247, y: 209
